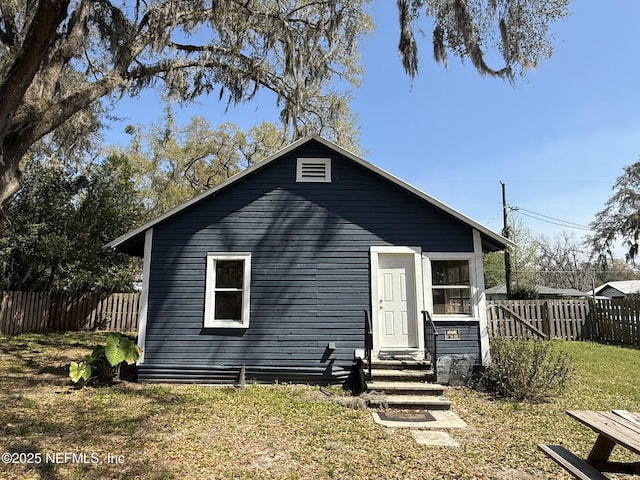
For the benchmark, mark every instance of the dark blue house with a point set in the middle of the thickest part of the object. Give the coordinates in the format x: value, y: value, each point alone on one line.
x: 269, y: 273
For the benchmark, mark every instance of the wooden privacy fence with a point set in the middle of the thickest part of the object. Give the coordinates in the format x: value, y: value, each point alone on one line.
x: 610, y: 321
x: 39, y: 311
x: 617, y: 321
x: 538, y: 318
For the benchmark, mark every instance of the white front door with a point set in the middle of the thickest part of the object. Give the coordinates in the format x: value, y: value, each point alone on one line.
x: 397, y: 306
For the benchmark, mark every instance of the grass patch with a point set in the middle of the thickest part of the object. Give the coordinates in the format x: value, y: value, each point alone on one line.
x: 282, y: 431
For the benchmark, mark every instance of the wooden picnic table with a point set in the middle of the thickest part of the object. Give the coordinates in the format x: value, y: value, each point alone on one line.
x: 617, y: 427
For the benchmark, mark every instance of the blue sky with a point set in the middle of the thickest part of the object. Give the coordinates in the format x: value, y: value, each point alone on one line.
x: 558, y: 139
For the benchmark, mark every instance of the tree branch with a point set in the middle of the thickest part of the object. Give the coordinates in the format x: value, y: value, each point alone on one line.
x: 41, y: 33
x: 6, y: 38
x: 59, y: 112
x: 407, y: 45
x: 8, y: 34
x: 474, y: 51
x: 77, y: 32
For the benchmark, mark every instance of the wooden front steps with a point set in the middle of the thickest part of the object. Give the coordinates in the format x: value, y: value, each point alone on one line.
x: 404, y: 384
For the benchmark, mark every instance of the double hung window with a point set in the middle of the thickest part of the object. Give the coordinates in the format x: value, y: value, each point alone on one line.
x: 451, y: 287
x: 227, y: 290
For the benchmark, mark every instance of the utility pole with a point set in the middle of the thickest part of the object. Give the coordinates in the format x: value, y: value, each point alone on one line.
x: 505, y: 233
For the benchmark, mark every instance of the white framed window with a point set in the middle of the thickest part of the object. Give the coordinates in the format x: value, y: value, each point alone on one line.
x: 314, y: 170
x: 451, y: 287
x: 227, y: 291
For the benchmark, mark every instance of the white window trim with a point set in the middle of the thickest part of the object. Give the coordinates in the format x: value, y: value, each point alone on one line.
x: 209, y: 306
x: 427, y: 258
x: 476, y: 275
x: 323, y: 161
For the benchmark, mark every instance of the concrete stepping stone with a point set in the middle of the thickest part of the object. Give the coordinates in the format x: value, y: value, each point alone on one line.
x: 434, y: 438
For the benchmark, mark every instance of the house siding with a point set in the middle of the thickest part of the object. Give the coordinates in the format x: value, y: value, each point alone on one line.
x: 310, y: 271
x: 459, y: 355
x: 467, y: 341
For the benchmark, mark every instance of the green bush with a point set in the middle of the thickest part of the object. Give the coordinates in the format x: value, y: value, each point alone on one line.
x: 524, y: 292
x: 105, y: 361
x: 526, y: 370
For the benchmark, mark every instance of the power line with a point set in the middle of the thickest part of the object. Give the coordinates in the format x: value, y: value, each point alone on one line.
x: 585, y: 270
x: 545, y: 218
x: 552, y: 218
x: 554, y: 223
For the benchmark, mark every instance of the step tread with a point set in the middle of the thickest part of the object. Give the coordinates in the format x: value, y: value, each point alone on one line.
x: 414, y: 386
x: 408, y: 363
x: 410, y: 400
x: 383, y: 372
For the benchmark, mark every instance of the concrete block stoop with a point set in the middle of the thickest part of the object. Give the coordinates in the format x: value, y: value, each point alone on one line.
x: 429, y: 428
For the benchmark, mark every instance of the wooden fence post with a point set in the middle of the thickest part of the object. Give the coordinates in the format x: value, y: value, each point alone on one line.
x: 546, y: 320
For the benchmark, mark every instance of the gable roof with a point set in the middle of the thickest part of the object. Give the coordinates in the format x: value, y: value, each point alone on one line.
x: 492, y: 241
x: 628, y: 287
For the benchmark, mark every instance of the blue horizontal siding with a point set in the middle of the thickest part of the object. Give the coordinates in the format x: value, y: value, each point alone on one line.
x: 310, y: 265
x: 469, y: 343
x: 221, y: 374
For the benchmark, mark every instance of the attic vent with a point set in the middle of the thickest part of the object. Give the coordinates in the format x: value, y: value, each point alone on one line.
x: 313, y: 170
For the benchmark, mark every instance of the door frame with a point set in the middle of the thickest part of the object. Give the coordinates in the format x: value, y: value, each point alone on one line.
x: 375, y: 251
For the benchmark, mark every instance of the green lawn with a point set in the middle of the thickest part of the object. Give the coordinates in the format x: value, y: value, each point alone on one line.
x: 185, y: 431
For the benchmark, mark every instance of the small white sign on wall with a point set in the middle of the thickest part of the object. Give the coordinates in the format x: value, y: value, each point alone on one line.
x: 452, y: 334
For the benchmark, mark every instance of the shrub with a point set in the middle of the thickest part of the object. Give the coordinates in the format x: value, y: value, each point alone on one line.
x: 524, y: 292
x: 105, y: 361
x: 526, y: 370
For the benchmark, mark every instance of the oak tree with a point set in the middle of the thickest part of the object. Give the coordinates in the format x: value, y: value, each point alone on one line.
x: 58, y: 57
x: 172, y: 163
x: 517, y: 31
x: 523, y: 258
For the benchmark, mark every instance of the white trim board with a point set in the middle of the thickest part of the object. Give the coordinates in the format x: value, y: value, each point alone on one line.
x: 210, y: 290
x: 144, y: 297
